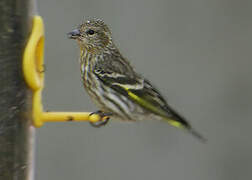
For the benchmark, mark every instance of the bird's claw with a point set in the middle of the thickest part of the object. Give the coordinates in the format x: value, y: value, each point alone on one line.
x: 104, y: 118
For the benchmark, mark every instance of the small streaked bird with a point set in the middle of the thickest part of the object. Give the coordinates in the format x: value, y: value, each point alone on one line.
x: 113, y: 84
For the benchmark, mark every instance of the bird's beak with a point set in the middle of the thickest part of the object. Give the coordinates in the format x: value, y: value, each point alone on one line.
x: 74, y: 34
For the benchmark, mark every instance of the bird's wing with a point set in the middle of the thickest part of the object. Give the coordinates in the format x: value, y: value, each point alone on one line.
x: 149, y: 98
x: 120, y: 76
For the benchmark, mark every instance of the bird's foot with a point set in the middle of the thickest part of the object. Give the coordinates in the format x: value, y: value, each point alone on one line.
x: 104, y: 118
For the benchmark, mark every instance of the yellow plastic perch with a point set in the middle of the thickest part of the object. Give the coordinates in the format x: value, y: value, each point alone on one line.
x: 33, y: 69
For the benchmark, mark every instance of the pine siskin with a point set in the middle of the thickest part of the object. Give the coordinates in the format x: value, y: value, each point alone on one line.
x: 113, y: 84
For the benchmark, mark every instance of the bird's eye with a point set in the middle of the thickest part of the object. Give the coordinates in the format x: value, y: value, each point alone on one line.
x: 90, y: 32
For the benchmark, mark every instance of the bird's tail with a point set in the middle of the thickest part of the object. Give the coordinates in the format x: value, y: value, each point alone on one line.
x: 182, y: 124
x: 197, y: 135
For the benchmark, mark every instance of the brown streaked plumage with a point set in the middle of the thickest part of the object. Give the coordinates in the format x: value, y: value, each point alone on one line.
x: 113, y: 84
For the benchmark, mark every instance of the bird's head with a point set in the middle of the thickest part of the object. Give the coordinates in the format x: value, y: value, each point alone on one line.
x: 93, y: 35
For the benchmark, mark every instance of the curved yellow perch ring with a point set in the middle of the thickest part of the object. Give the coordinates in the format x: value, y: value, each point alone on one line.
x: 33, y: 69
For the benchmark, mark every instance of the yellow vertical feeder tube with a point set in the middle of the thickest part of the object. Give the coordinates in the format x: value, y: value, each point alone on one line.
x: 33, y: 69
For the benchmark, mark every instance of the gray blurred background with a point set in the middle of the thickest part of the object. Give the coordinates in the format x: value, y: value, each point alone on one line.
x: 197, y: 52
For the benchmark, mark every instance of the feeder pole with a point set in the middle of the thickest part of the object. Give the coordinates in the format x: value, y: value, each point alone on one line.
x: 16, y: 132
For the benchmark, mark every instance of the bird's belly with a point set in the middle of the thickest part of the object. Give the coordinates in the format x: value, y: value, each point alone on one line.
x: 108, y: 100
